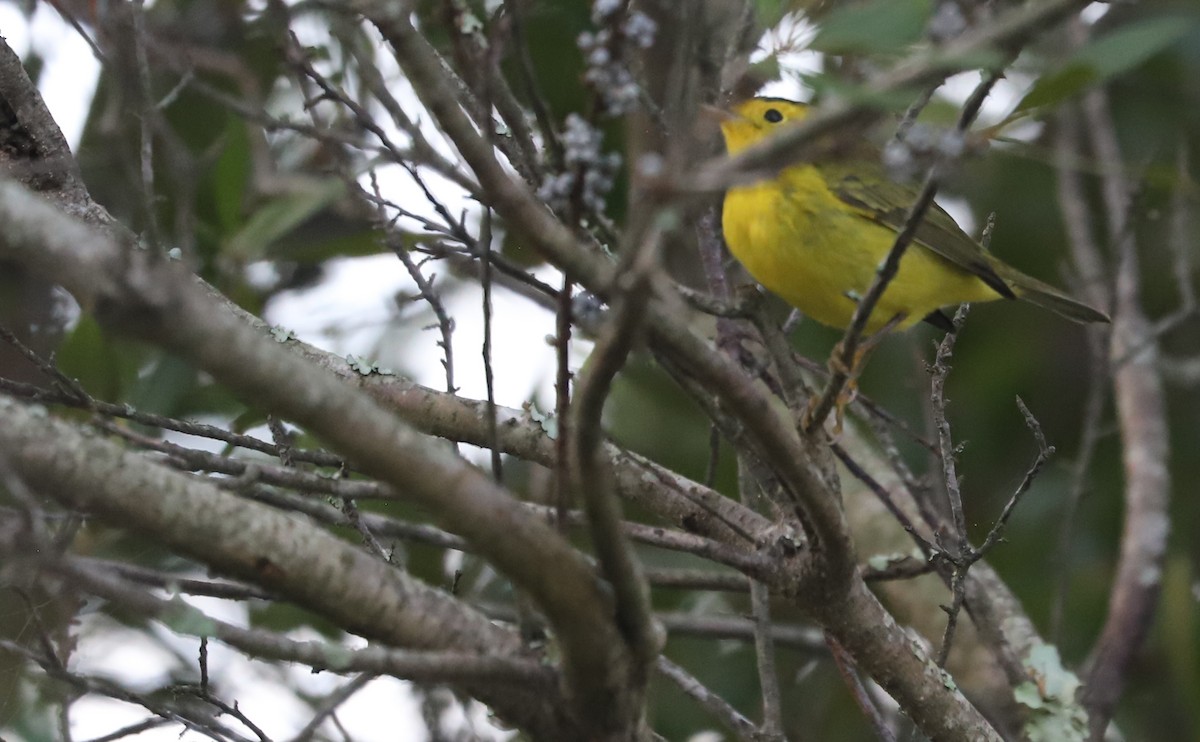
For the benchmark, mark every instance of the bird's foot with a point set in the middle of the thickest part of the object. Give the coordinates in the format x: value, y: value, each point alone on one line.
x: 850, y: 369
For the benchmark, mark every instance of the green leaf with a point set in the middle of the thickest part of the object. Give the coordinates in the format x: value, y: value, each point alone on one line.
x: 872, y: 27
x: 337, y: 657
x: 1057, y: 86
x: 187, y: 620
x: 160, y: 390
x: 1129, y: 46
x: 770, y: 12
x: 248, y: 419
x: 1106, y: 57
x: 824, y: 85
x: 230, y: 175
x: 767, y: 68
x: 282, y: 617
x: 330, y: 240
x: 105, y: 367
x: 1180, y: 627
x: 279, y: 217
x: 984, y: 58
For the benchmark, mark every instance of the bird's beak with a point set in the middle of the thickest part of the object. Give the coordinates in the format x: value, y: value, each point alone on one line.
x: 717, y: 115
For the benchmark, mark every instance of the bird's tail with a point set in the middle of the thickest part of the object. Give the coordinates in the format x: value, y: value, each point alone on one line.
x: 1047, y: 297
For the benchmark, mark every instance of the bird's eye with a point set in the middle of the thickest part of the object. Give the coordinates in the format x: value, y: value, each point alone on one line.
x: 773, y: 116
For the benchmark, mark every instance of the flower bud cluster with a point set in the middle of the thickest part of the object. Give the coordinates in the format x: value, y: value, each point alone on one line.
x: 921, y: 147
x: 947, y: 22
x: 590, y: 172
x: 607, y: 71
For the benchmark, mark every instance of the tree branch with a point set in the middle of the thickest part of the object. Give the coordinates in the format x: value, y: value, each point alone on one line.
x: 138, y: 294
x: 287, y: 556
x: 1141, y: 414
x: 823, y: 577
x: 453, y: 666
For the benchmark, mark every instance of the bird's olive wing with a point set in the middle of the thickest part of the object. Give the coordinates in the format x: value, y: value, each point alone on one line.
x: 866, y: 187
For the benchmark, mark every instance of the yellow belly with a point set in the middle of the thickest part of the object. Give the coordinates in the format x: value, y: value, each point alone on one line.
x: 821, y: 257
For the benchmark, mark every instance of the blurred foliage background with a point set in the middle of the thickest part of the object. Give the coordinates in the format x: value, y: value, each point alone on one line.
x: 259, y: 213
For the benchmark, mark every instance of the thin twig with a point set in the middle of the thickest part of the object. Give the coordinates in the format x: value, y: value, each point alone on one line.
x: 792, y: 636
x: 1045, y: 451
x: 432, y: 297
x: 958, y: 590
x: 960, y: 550
x: 200, y: 430
x: 884, y: 497
x: 147, y: 104
x: 70, y: 388
x: 330, y: 706
x: 235, y: 712
x: 1093, y: 409
x: 176, y: 583
x: 421, y: 152
x: 845, y: 666
x: 760, y: 609
x: 350, y: 509
x: 734, y: 721
x: 203, y: 663
x: 764, y: 653
x: 537, y: 101
x: 162, y: 706
x: 131, y: 730
x: 434, y: 665
x: 912, y: 112
x: 906, y: 568
x: 247, y: 471
x: 714, y: 456
x: 959, y: 559
x: 485, y: 243
x: 697, y: 579
x: 562, y: 397
x: 939, y: 372
x: 1179, y: 240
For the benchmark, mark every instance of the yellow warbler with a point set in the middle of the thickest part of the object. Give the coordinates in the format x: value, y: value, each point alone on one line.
x: 816, y: 233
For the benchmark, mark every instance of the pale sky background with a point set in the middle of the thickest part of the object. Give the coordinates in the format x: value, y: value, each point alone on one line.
x: 358, y: 295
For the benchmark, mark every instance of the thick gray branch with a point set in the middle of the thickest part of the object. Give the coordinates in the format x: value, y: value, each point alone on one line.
x: 276, y: 550
x: 140, y: 294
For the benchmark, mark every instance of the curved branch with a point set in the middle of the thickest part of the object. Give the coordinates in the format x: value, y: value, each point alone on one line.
x: 455, y: 666
x: 1142, y: 417
x: 256, y: 543
x: 587, y: 462
x: 35, y: 150
x: 673, y: 497
x: 138, y: 293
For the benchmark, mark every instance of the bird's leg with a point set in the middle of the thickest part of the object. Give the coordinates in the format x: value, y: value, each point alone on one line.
x: 849, y: 390
x: 851, y: 372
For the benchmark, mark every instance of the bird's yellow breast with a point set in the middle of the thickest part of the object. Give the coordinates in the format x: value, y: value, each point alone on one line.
x: 820, y: 254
